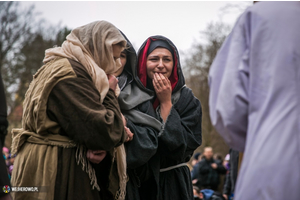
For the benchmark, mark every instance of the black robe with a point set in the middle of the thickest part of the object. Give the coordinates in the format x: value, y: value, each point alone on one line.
x: 157, y: 145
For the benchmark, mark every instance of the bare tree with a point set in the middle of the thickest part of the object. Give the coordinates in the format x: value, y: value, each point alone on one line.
x: 15, y: 29
x: 23, y: 40
x: 29, y: 60
x: 196, y: 69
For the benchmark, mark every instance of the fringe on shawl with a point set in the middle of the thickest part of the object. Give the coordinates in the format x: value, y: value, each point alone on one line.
x: 120, y: 157
x: 20, y: 137
x: 16, y: 141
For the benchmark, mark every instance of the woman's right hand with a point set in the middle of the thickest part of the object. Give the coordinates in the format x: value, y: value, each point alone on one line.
x: 95, y: 156
x: 163, y: 88
x: 112, y: 81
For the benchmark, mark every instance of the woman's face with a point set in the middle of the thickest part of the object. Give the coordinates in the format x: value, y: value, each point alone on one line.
x: 117, y: 49
x: 123, y: 59
x: 117, y: 53
x: 160, y: 61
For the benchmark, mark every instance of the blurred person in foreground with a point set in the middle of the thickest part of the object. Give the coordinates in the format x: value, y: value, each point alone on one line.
x: 254, y: 99
x: 209, y: 171
x: 4, y: 177
x: 71, y: 141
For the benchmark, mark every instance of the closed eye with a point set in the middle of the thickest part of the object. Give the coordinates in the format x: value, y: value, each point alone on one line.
x: 123, y: 55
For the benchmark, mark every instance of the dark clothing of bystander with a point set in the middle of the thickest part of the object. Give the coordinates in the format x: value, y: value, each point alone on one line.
x: 208, y: 176
x: 231, y: 176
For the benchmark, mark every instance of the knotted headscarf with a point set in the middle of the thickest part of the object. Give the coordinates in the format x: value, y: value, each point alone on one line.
x: 91, y: 45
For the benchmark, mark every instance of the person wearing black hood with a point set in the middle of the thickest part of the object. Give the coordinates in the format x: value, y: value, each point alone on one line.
x: 128, y: 61
x: 165, y: 118
x: 125, y: 77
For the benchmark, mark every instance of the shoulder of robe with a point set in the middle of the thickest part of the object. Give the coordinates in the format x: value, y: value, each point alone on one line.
x: 187, y: 96
x: 79, y: 69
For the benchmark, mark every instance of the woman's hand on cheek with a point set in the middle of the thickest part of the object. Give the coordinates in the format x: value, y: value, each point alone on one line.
x: 163, y: 88
x: 112, y: 81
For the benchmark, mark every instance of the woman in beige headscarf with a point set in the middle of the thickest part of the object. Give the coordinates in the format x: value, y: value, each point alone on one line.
x: 70, y: 145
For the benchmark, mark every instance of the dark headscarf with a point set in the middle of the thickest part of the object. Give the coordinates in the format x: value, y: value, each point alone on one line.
x: 126, y: 77
x: 162, y: 44
x: 151, y: 44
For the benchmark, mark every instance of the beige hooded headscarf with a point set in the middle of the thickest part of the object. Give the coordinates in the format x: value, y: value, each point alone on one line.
x: 91, y: 45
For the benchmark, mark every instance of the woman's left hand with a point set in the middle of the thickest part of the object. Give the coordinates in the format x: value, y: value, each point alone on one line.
x: 163, y: 88
x: 129, y: 134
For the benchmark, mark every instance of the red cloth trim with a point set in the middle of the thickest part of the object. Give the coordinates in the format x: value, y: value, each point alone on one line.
x: 142, y: 69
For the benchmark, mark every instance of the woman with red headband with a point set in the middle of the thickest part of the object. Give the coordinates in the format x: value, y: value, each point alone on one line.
x: 165, y: 118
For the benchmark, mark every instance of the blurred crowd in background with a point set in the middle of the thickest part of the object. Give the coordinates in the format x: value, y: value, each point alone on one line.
x: 213, y: 176
x: 9, y: 160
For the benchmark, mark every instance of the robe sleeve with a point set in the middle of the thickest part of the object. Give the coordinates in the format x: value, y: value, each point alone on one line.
x: 142, y: 147
x: 181, y: 133
x: 228, y: 80
x: 74, y: 104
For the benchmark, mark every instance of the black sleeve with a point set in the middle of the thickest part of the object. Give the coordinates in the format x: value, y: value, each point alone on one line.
x: 181, y: 134
x: 142, y: 147
x: 75, y: 104
x: 4, y: 180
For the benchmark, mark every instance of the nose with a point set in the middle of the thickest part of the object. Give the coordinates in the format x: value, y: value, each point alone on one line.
x: 160, y: 64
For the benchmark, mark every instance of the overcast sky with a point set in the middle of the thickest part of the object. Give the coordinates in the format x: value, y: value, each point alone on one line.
x: 179, y: 21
